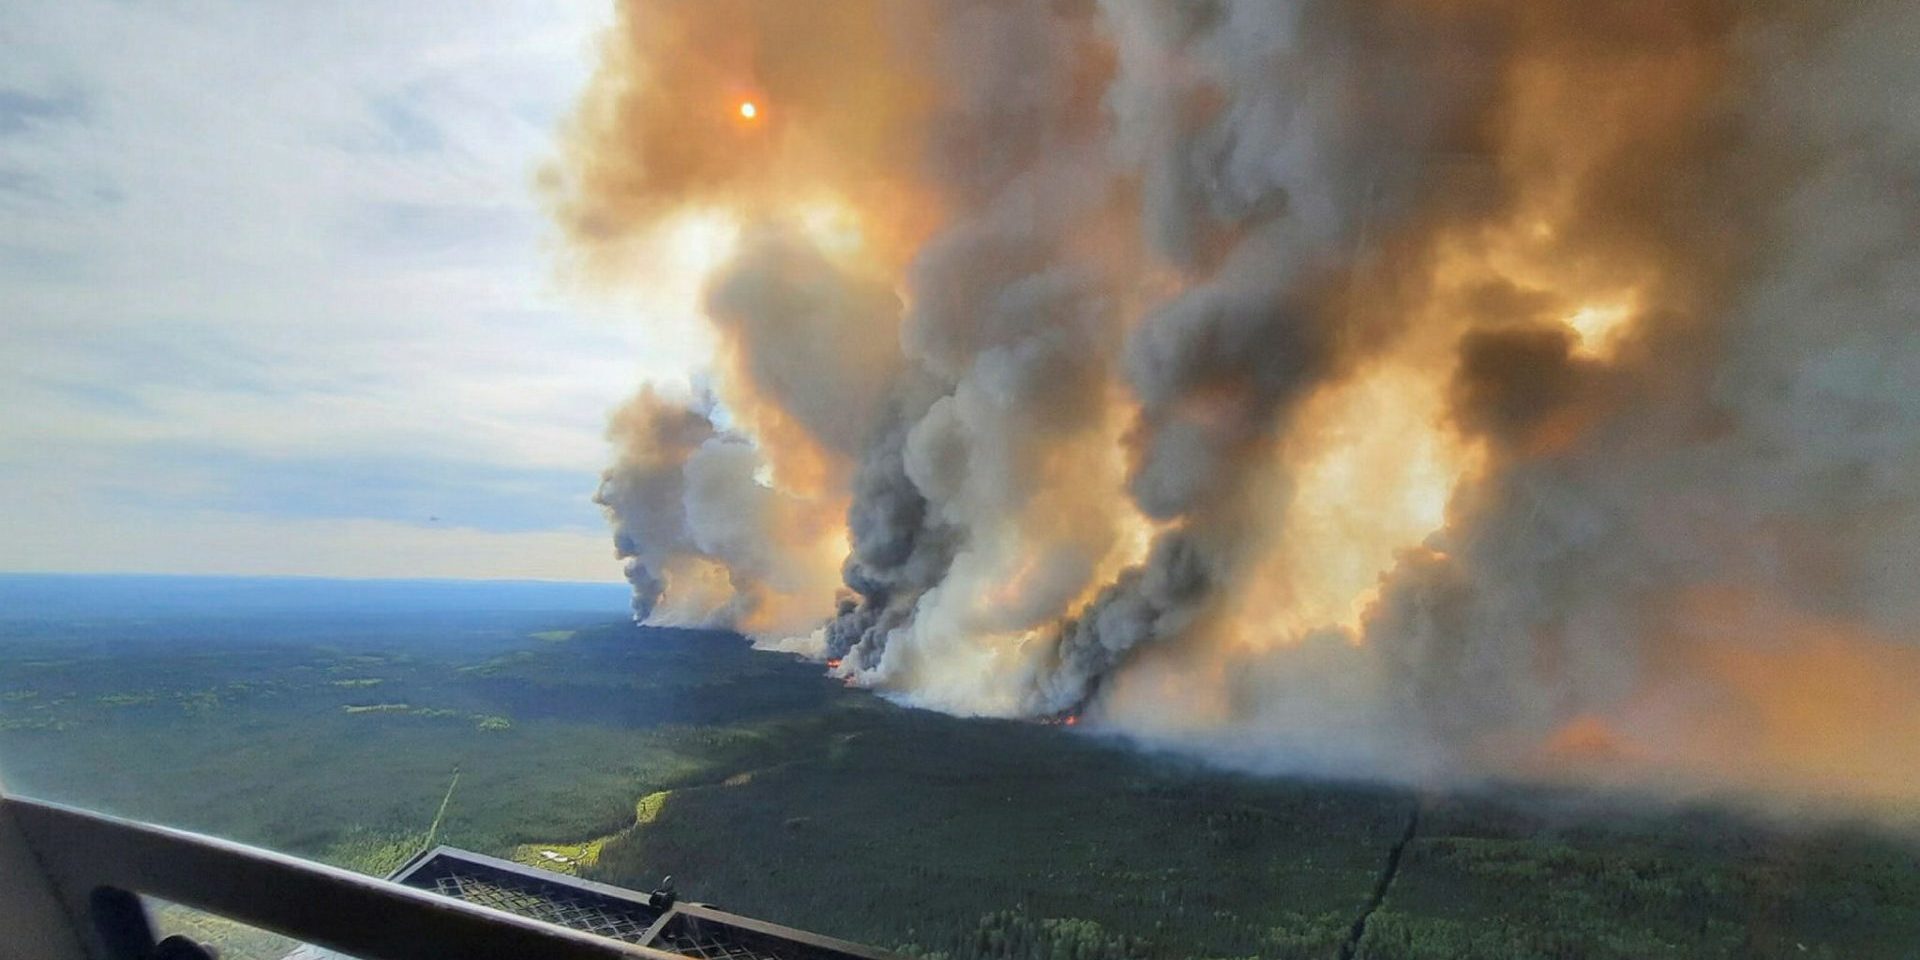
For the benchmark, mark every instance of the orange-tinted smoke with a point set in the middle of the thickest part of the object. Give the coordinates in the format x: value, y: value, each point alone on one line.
x: 1451, y: 551
x: 837, y: 112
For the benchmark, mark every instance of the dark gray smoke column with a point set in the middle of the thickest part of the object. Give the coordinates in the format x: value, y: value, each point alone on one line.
x: 644, y: 492
x: 1011, y: 336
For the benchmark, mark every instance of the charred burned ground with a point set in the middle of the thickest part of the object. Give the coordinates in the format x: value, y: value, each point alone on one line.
x: 766, y: 788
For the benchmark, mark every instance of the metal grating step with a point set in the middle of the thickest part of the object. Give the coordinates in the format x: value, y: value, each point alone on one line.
x: 534, y: 898
x: 689, y: 929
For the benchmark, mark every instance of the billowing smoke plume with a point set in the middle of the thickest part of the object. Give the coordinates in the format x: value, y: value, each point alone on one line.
x: 704, y: 540
x: 1418, y: 389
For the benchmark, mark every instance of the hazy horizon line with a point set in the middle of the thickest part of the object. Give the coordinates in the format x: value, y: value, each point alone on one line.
x: 133, y: 574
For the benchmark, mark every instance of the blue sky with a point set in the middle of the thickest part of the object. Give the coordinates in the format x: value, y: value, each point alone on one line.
x: 277, y: 295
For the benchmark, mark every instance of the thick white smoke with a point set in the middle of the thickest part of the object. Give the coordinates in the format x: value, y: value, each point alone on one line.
x: 1428, y: 390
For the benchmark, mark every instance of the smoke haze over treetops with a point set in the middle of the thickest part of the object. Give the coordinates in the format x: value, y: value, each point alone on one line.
x: 1421, y: 389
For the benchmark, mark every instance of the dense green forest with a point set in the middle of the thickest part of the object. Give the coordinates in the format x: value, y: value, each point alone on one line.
x: 769, y: 789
